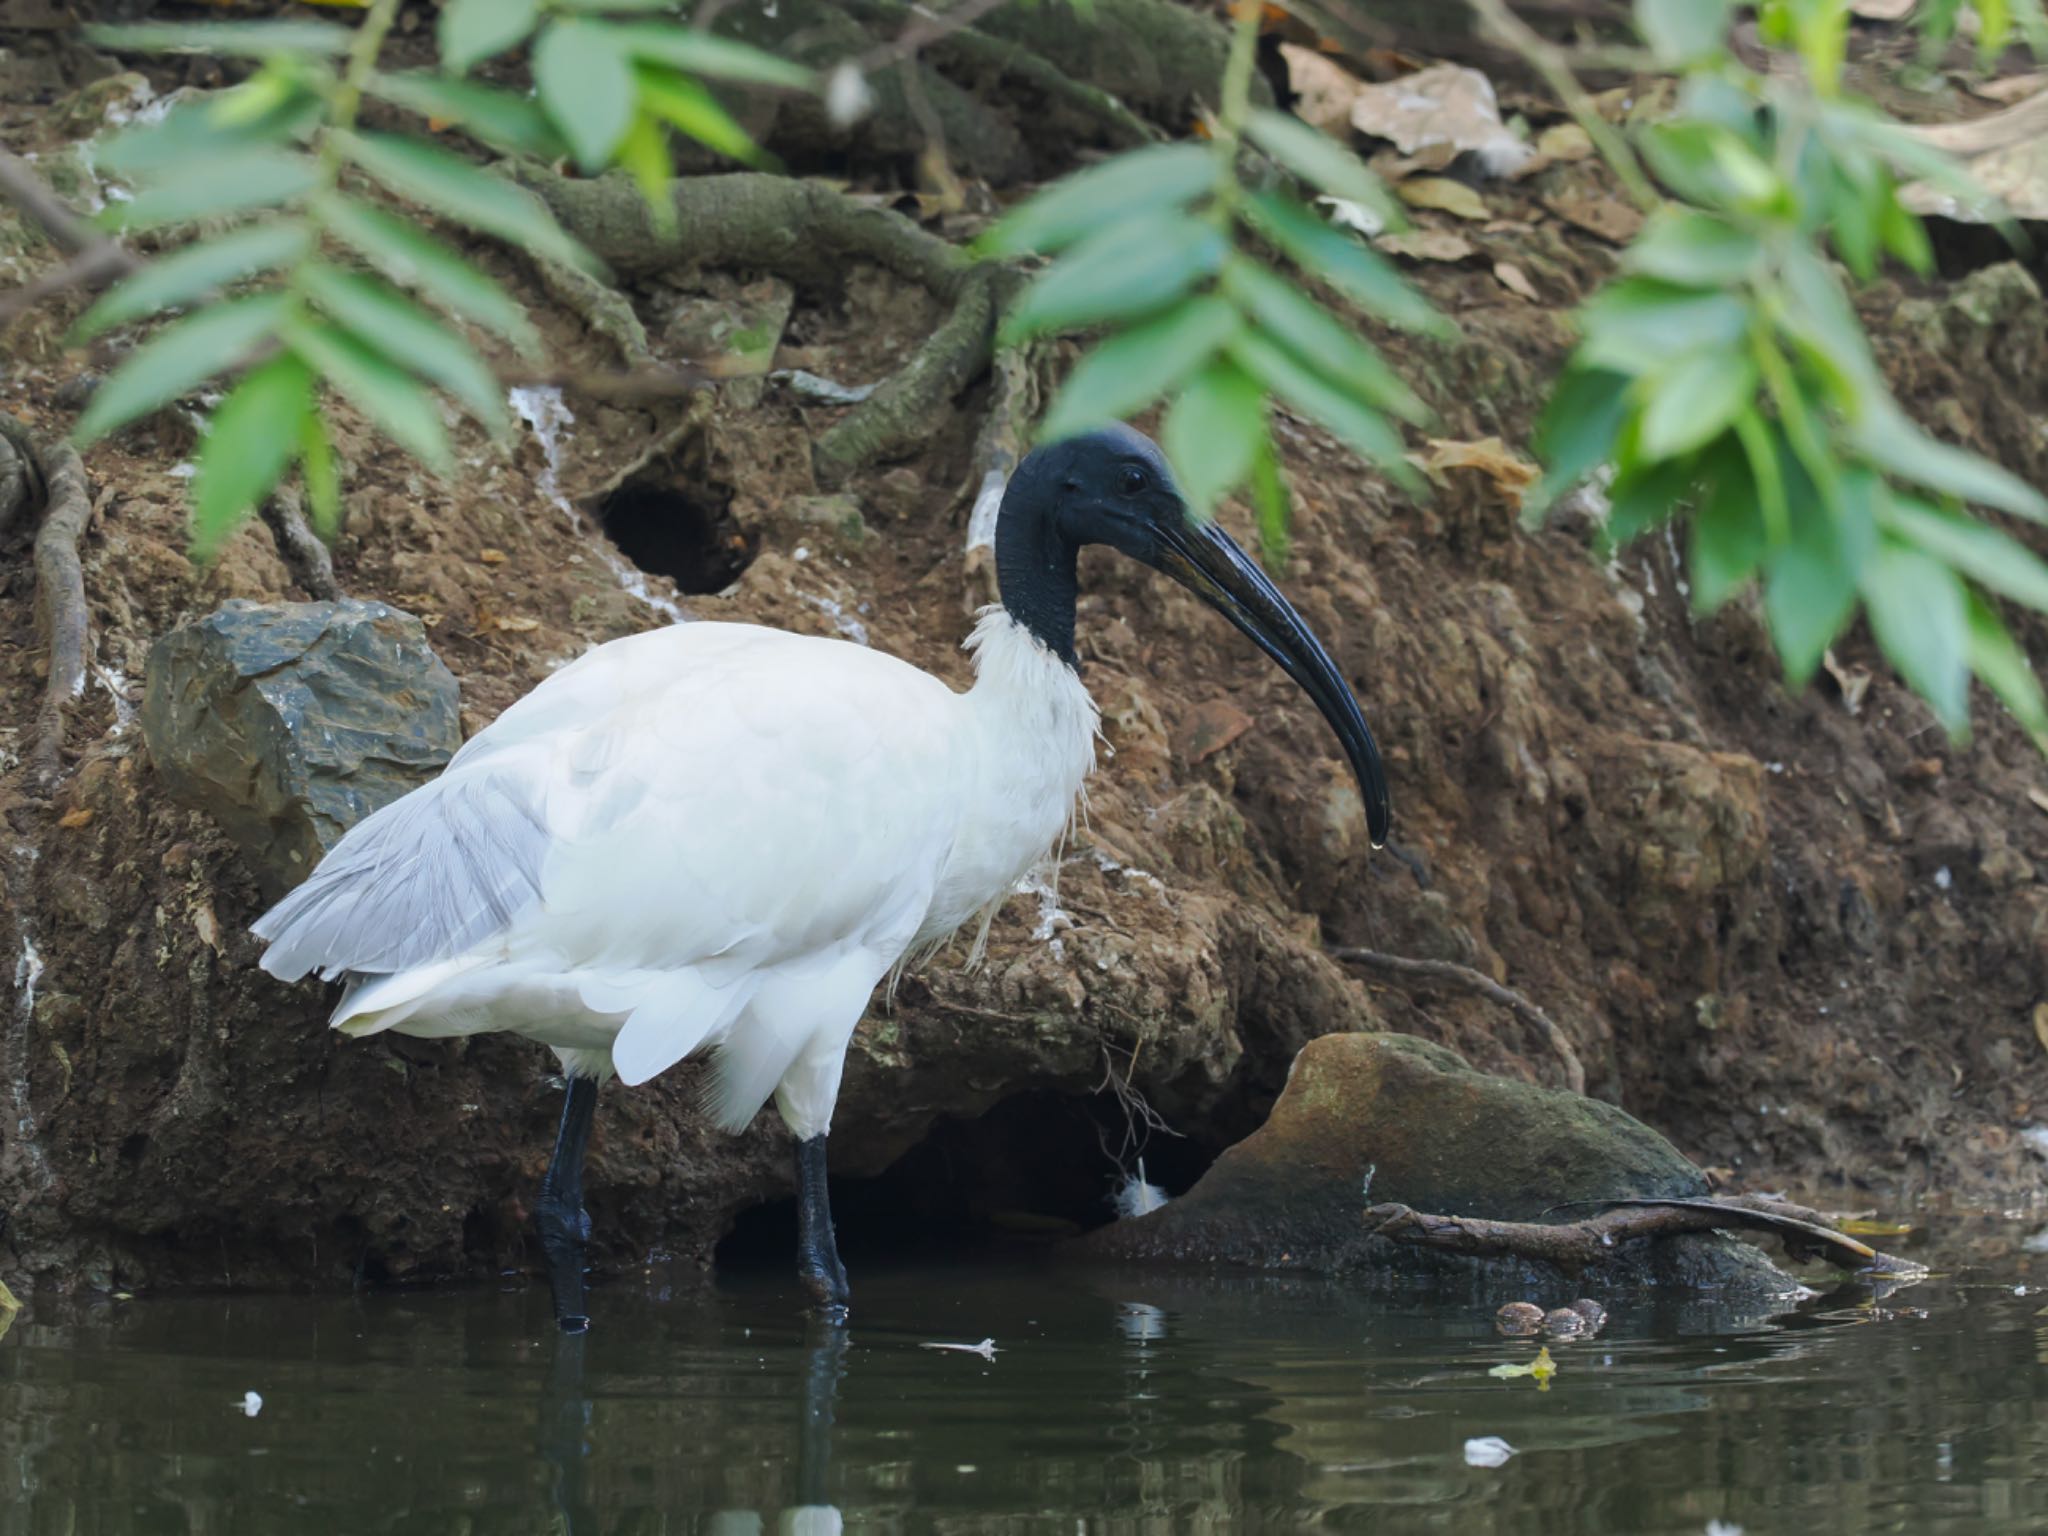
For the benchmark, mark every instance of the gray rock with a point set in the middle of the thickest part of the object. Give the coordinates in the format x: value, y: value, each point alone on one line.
x: 290, y: 722
x: 1367, y: 1119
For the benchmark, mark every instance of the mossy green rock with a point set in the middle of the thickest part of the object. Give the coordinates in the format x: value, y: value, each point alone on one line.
x: 1368, y: 1119
x: 290, y: 722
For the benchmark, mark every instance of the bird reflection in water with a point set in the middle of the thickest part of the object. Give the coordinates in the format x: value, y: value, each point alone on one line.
x: 564, y: 1442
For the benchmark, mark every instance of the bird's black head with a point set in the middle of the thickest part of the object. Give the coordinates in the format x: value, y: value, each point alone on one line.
x: 1114, y: 487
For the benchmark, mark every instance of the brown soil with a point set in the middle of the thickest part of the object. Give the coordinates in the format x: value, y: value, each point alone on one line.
x: 1803, y: 942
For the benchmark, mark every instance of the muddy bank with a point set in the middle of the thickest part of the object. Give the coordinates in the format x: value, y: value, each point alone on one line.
x: 1801, y: 939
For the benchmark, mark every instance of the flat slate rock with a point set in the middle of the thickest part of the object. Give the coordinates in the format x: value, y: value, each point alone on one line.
x: 288, y: 723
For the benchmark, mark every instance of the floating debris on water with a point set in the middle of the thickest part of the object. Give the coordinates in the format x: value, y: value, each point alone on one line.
x: 1542, y: 1368
x: 251, y: 1403
x: 1487, y: 1451
x: 986, y: 1348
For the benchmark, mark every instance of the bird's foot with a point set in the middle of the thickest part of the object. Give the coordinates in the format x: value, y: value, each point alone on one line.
x: 823, y: 1278
x: 564, y: 1229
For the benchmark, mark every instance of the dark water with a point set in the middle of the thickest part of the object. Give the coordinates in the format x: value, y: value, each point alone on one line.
x: 1116, y: 1403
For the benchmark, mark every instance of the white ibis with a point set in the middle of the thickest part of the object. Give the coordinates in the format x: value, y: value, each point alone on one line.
x: 720, y: 837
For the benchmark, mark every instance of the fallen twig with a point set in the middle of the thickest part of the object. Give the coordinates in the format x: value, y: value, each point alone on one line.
x: 1472, y: 981
x: 60, y: 602
x: 1577, y: 1245
x: 301, y: 549
x: 999, y: 446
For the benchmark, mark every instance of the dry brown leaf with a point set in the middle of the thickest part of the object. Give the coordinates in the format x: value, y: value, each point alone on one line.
x: 1853, y: 681
x: 1512, y: 278
x: 1427, y: 245
x: 1209, y: 728
x: 1444, y: 194
x: 2040, y: 799
x: 77, y: 816
x: 1595, y: 212
x: 491, y: 556
x: 516, y: 625
x: 2011, y: 88
x: 1324, y: 91
x: 206, y: 925
x: 2006, y: 153
x: 1564, y: 141
x: 2041, y: 1024
x: 1490, y: 456
x: 1438, y: 114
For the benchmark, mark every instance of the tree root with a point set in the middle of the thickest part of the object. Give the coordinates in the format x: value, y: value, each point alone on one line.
x: 807, y: 234
x: 301, y: 549
x: 1579, y: 1245
x: 60, y: 604
x: 999, y: 447
x: 1485, y: 986
x: 902, y: 411
x: 966, y: 51
x: 21, y: 478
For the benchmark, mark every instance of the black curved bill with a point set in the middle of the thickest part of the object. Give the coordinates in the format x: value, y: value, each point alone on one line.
x: 1210, y: 564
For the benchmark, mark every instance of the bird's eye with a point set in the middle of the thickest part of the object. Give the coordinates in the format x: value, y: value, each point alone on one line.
x: 1132, y: 480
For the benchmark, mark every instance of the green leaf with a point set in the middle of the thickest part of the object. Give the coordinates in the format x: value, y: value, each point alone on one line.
x: 1905, y: 236
x: 1685, y: 246
x: 1644, y: 497
x: 1680, y: 31
x: 1820, y: 315
x: 1127, y: 271
x: 1919, y: 614
x: 386, y: 320
x: 644, y: 154
x: 318, y: 471
x: 232, y: 39
x: 250, y: 178
x: 702, y: 53
x: 1893, y: 441
x: 249, y: 445
x: 1213, y: 433
x: 1577, y: 433
x: 1694, y: 400
x: 398, y: 249
x: 586, y: 83
x: 1727, y: 534
x: 1294, y: 319
x: 191, y: 134
x: 1132, y: 185
x: 1131, y: 370
x: 452, y: 186
x: 1362, y: 275
x: 1996, y: 658
x: 1366, y: 431
x: 1638, y: 324
x: 497, y: 117
x: 1275, y: 506
x: 381, y: 391
x: 1324, y: 163
x: 472, y: 30
x: 688, y: 106
x: 1986, y: 555
x: 1759, y: 441
x: 1810, y: 581
x: 179, y: 358
x: 195, y: 271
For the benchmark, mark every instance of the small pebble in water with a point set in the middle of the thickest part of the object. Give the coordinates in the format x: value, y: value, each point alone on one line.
x: 1518, y: 1319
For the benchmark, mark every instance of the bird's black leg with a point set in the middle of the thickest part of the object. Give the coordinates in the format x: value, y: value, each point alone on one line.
x: 817, y: 1250
x: 564, y: 1225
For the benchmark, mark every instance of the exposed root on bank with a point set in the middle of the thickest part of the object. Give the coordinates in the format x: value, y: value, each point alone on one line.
x: 60, y: 608
x: 999, y: 447
x: 1464, y: 977
x: 1578, y: 1245
x: 21, y: 478
x: 301, y: 549
x: 806, y: 234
